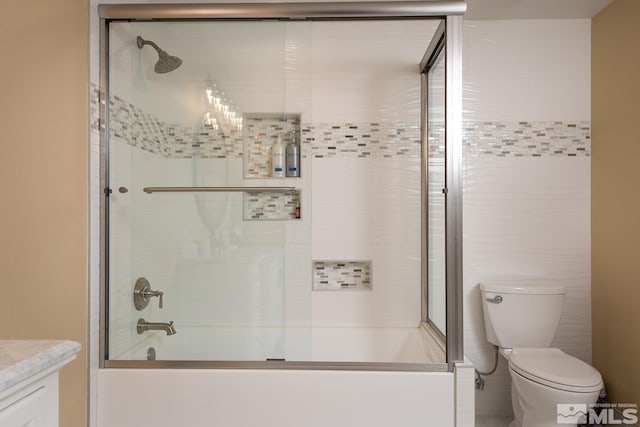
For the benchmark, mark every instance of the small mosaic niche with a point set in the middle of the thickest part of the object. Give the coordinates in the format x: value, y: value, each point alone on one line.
x: 341, y: 275
x: 261, y: 131
x: 271, y: 205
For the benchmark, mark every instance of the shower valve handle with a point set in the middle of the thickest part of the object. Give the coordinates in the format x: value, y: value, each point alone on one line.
x: 151, y: 293
x: 142, y: 293
x: 160, y: 300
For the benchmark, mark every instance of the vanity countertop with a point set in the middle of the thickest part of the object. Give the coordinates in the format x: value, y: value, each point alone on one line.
x: 22, y: 359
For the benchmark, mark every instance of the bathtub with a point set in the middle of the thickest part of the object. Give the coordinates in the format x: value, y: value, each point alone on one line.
x: 364, y: 345
x: 398, y: 381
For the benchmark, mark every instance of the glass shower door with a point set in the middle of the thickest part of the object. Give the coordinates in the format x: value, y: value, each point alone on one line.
x: 196, y: 222
x: 434, y: 166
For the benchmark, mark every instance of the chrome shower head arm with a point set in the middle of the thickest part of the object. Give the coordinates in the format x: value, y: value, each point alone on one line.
x: 142, y: 42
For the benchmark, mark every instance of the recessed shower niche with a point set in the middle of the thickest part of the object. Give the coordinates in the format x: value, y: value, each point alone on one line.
x: 263, y: 134
x: 341, y: 275
x: 269, y: 205
x: 262, y: 131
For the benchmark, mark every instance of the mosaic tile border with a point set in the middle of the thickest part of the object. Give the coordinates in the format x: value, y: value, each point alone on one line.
x: 435, y: 140
x: 267, y: 206
x: 186, y: 142
x: 527, y: 139
x: 351, y: 140
x: 135, y: 127
x: 142, y: 130
x: 341, y: 275
x: 94, y: 108
x: 386, y: 140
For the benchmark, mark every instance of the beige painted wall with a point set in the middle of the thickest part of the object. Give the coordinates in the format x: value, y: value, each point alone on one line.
x: 615, y: 221
x: 43, y: 181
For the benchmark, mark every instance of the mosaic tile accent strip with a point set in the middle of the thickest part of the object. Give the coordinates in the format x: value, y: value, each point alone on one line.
x: 387, y: 140
x: 142, y: 130
x: 329, y: 140
x: 185, y: 142
x: 340, y: 275
x: 94, y: 107
x: 260, y: 133
x: 264, y: 205
x: 527, y: 139
x: 436, y: 141
x: 138, y: 128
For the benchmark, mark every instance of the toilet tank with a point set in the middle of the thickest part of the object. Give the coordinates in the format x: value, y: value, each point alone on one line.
x: 517, y: 316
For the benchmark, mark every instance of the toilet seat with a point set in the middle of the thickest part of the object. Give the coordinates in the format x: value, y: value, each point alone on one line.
x: 553, y: 368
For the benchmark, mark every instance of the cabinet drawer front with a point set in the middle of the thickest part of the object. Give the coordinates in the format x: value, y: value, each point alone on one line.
x: 28, y: 411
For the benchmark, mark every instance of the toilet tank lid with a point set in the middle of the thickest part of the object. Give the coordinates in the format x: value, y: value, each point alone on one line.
x: 529, y: 289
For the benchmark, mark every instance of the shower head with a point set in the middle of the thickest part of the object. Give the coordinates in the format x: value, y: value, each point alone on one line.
x: 166, y: 63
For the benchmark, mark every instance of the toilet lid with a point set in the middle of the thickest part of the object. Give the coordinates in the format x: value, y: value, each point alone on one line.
x: 552, y: 367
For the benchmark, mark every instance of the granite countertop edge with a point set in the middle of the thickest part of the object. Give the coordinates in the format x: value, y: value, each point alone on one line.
x: 23, y: 359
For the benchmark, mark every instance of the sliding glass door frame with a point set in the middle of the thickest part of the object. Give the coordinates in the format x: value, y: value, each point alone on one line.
x: 447, y: 40
x: 450, y: 12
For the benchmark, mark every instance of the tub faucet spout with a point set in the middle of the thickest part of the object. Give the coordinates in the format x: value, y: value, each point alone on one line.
x: 144, y: 326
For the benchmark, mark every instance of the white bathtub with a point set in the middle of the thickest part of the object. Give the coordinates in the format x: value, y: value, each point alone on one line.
x: 366, y: 345
x: 133, y: 397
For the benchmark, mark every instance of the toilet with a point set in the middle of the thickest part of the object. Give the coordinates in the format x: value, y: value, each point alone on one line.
x: 522, y: 321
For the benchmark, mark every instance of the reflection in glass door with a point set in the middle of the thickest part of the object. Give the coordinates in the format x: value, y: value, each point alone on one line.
x: 196, y: 261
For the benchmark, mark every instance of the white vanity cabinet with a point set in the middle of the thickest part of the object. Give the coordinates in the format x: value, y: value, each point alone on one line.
x: 29, y: 381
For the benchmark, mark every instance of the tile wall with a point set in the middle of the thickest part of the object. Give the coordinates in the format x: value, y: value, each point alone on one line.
x: 526, y: 177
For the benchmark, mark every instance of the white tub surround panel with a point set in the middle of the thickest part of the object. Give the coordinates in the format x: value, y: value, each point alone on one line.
x: 272, y: 398
x: 464, y: 395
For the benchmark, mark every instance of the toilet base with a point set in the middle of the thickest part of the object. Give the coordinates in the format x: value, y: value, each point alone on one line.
x: 540, y: 410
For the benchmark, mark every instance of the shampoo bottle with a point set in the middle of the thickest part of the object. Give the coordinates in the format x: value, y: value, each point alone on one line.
x: 278, y: 159
x: 293, y: 157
